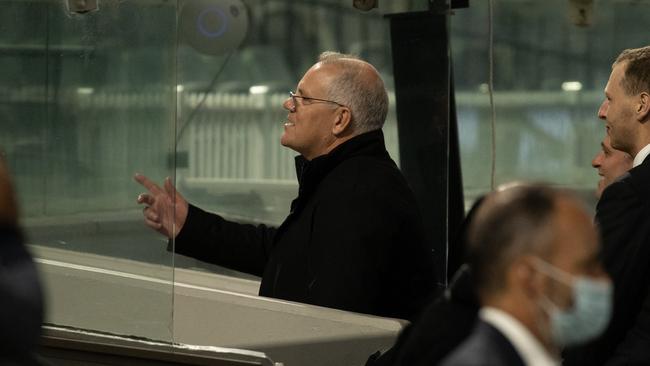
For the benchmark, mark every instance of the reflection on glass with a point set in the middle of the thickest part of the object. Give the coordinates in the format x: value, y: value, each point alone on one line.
x: 229, y: 157
x: 85, y: 101
x: 88, y: 100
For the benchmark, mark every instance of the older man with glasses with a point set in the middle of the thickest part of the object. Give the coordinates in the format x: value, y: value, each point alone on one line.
x: 354, y: 237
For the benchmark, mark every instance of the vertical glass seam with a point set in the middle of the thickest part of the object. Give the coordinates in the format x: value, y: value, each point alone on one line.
x: 493, y: 153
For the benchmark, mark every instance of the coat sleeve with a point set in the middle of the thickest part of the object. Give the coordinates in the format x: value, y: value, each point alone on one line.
x: 211, y: 238
x: 370, y: 252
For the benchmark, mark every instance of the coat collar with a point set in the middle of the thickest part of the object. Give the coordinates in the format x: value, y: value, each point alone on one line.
x: 311, y: 173
x: 367, y: 144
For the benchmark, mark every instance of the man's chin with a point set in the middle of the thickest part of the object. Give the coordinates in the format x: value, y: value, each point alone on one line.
x: 285, y: 141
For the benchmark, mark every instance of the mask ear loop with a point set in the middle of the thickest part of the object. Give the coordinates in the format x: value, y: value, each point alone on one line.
x: 554, y: 272
x: 547, y: 306
x: 545, y: 317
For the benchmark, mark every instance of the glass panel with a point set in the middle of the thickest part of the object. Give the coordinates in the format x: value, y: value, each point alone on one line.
x: 230, y: 160
x: 86, y: 100
x: 232, y: 89
x: 549, y: 81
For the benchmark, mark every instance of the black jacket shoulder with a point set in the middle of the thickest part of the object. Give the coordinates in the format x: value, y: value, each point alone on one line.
x: 486, y: 346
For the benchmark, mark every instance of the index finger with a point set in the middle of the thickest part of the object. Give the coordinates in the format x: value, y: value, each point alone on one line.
x: 147, y: 183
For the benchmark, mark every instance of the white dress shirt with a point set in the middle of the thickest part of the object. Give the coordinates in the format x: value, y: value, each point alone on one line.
x: 641, y: 155
x: 527, y: 346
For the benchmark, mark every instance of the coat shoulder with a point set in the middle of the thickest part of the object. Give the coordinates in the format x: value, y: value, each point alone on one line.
x: 485, y: 346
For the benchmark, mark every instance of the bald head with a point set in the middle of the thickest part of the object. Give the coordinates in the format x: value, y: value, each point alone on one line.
x: 8, y: 210
x: 359, y: 86
x: 525, y: 220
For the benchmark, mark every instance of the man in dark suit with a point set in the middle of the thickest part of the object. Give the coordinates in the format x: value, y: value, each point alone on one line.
x: 354, y: 237
x: 623, y: 215
x: 534, y: 255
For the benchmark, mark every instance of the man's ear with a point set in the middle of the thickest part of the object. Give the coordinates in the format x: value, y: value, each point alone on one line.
x: 643, y: 107
x: 524, y: 276
x: 342, y: 121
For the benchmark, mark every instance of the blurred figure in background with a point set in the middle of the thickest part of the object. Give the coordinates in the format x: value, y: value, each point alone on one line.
x: 533, y: 251
x: 21, y: 300
x: 611, y: 164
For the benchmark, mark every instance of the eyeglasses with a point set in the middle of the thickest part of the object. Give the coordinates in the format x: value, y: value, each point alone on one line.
x: 293, y: 97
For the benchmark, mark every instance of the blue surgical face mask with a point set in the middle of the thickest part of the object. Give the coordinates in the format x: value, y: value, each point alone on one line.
x: 591, y: 310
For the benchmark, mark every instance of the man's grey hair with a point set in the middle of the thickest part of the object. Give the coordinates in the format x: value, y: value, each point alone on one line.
x: 366, y: 98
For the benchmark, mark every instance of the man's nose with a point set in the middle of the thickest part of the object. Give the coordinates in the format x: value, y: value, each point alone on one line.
x: 595, y: 162
x: 602, y: 111
x: 288, y: 105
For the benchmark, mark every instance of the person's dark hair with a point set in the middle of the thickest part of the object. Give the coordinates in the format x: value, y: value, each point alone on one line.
x: 366, y: 97
x: 637, y: 72
x: 510, y: 222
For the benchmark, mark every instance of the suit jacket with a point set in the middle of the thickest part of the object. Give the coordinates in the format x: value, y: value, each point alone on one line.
x: 623, y: 215
x: 354, y: 239
x: 486, y: 346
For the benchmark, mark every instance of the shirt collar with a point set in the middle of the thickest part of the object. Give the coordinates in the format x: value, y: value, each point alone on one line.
x: 526, y: 345
x: 641, y: 155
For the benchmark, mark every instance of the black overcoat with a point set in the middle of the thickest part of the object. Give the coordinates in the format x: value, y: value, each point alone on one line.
x: 486, y: 346
x: 353, y: 240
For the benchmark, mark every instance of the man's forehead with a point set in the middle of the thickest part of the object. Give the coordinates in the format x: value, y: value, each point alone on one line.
x: 618, y: 73
x: 317, y: 74
x: 324, y: 67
